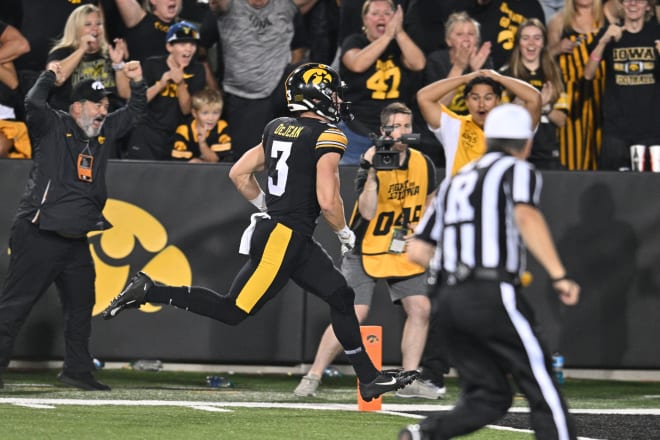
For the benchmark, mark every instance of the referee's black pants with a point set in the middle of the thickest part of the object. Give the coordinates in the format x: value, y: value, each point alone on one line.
x: 38, y: 259
x: 491, y: 336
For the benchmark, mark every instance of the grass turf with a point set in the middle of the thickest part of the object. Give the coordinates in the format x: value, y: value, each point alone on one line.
x: 187, y: 392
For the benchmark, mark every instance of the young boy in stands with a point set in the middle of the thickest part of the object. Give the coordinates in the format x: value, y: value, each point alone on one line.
x: 172, y: 80
x: 204, y: 138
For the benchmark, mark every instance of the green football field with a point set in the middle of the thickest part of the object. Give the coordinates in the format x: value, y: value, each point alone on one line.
x: 180, y: 405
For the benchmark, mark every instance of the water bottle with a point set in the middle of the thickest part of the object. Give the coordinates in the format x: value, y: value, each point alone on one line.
x: 218, y: 382
x: 558, y: 367
x: 147, y: 365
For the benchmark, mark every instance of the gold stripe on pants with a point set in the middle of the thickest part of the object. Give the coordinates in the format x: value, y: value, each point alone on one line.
x: 264, y: 274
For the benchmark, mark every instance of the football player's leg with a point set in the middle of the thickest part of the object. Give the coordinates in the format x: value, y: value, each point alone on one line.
x: 272, y: 258
x: 319, y: 275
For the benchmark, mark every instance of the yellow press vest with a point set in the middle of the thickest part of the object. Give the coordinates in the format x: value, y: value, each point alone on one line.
x: 400, y: 192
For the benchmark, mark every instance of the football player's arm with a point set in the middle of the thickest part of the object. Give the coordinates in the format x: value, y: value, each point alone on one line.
x: 242, y: 173
x: 327, y: 191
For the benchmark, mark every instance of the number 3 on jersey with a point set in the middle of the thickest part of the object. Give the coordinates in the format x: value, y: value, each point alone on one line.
x: 280, y: 151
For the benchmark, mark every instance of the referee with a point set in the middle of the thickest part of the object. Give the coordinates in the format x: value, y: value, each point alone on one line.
x: 482, y: 220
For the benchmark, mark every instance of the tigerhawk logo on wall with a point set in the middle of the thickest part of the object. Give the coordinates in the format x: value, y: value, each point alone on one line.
x: 137, y: 241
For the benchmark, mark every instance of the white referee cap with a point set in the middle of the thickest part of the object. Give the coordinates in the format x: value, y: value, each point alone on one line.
x: 508, y: 121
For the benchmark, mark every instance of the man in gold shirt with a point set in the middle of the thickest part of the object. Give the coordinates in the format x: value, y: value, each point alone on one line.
x: 462, y: 137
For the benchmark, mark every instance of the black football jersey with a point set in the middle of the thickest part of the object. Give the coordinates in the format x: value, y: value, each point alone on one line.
x: 292, y: 146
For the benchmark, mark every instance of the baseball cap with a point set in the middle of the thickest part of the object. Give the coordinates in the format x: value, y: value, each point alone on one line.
x: 508, y: 121
x: 182, y: 31
x: 89, y: 89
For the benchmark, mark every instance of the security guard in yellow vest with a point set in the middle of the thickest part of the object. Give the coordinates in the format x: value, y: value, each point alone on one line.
x: 389, y: 203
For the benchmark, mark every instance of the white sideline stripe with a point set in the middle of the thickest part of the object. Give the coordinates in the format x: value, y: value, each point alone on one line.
x: 209, y: 408
x: 393, y: 409
x: 432, y: 407
x: 387, y: 407
x: 180, y: 403
x: 36, y: 406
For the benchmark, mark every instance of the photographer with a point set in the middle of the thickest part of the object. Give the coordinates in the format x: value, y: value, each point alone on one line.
x: 393, y: 183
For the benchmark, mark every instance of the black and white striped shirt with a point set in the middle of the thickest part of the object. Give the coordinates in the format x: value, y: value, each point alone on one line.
x: 471, y: 219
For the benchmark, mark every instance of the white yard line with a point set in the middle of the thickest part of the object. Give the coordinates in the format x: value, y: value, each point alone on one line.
x: 393, y: 409
x: 209, y: 408
x: 386, y: 408
x: 35, y: 406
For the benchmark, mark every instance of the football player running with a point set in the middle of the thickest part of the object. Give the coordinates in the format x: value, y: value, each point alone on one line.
x: 301, y: 156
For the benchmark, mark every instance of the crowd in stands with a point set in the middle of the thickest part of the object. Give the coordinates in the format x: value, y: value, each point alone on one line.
x: 215, y: 68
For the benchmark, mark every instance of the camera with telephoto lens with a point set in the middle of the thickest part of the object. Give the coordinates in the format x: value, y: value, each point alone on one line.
x: 385, y: 158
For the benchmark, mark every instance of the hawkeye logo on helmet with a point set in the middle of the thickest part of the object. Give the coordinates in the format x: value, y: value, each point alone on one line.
x: 317, y: 76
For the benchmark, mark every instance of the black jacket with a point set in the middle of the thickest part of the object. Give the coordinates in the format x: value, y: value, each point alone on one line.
x: 54, y: 198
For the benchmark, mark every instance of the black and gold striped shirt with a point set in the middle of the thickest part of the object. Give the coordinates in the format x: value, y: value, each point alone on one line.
x: 186, y: 143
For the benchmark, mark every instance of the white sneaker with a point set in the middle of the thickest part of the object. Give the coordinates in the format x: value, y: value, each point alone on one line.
x: 307, y: 386
x: 422, y: 389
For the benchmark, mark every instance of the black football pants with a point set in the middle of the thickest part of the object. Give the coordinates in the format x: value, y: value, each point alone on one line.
x: 39, y: 259
x: 278, y: 254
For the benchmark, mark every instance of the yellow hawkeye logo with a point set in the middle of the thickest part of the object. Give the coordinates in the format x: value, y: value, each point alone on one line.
x: 317, y: 76
x: 137, y: 241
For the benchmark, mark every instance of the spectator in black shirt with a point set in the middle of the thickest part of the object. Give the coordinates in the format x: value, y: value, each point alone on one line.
x: 172, y: 80
x: 146, y: 28
x: 499, y: 21
x: 83, y: 52
x: 42, y: 22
